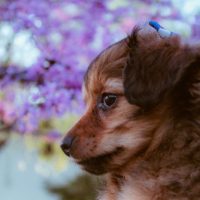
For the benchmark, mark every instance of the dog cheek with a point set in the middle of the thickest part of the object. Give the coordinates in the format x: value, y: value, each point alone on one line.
x: 130, y: 136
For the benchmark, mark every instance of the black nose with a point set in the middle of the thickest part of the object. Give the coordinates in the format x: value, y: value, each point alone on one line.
x: 66, y: 144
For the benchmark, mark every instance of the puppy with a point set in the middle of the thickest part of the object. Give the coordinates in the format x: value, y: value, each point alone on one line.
x: 141, y: 127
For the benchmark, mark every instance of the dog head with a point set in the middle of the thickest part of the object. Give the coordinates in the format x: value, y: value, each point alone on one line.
x: 128, y: 90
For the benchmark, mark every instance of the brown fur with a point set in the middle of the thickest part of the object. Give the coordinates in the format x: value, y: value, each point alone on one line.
x: 148, y: 143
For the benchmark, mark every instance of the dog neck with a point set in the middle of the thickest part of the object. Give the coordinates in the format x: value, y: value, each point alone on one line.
x: 162, y: 170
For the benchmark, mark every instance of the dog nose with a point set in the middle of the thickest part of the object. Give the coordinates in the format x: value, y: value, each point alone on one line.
x: 66, y: 144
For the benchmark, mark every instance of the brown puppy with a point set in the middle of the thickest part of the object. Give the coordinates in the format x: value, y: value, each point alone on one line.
x: 142, y: 122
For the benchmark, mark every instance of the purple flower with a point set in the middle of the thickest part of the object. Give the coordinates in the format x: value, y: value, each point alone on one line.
x: 68, y: 35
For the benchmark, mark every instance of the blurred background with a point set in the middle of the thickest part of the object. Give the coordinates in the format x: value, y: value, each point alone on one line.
x: 45, y: 48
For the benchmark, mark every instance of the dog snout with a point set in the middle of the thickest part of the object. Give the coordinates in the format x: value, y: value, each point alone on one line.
x: 67, y: 143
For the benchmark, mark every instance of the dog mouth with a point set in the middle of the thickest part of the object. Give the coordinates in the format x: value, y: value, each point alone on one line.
x: 101, y: 164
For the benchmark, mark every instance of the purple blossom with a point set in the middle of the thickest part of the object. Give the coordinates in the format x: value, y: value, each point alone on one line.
x: 68, y: 35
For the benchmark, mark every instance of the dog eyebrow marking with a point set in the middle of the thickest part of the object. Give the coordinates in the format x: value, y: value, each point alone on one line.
x: 114, y: 85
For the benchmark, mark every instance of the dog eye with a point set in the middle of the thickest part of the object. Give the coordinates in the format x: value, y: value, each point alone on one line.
x: 108, y: 100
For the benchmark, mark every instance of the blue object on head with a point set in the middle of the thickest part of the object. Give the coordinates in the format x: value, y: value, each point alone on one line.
x: 155, y: 24
x: 162, y: 32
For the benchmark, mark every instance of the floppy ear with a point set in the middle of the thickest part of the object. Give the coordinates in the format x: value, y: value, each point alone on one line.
x: 154, y: 66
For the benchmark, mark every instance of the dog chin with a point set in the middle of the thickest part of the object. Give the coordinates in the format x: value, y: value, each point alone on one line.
x: 101, y: 164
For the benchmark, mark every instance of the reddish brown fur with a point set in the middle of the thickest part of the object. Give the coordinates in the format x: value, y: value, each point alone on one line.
x: 148, y: 143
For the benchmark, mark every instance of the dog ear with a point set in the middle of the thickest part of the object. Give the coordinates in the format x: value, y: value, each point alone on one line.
x: 154, y: 66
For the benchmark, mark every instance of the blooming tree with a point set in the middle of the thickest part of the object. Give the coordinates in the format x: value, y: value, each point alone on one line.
x: 48, y: 44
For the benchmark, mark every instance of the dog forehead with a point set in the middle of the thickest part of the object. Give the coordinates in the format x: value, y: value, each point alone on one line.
x: 106, y: 69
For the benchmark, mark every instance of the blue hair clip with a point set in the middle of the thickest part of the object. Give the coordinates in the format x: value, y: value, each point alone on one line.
x: 162, y: 32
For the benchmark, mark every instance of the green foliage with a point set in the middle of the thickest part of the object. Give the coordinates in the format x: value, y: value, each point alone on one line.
x: 82, y: 188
